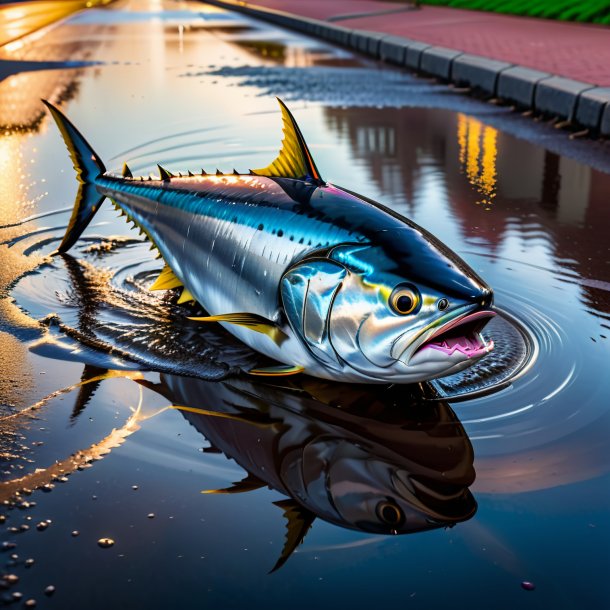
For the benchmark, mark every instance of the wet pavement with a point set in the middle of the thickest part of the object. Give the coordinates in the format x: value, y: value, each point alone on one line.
x: 579, y: 51
x: 502, y: 498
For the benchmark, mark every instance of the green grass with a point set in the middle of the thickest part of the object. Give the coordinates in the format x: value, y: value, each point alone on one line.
x: 588, y: 11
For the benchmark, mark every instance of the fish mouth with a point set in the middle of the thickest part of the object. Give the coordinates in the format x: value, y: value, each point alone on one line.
x: 461, y: 335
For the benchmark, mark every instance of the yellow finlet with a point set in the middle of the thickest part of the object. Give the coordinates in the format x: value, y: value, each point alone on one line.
x: 277, y: 371
x: 294, y: 159
x: 252, y: 321
x: 185, y: 297
x: 166, y: 280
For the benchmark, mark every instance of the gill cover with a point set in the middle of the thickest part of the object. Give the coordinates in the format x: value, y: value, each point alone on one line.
x: 308, y: 290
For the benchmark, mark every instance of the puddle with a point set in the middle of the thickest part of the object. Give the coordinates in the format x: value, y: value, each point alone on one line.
x: 486, y: 473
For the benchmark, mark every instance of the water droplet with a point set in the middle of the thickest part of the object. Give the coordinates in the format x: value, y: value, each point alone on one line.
x: 30, y: 603
x: 527, y: 585
x: 17, y: 595
x: 75, y: 533
x: 105, y: 543
x: 151, y: 515
x: 42, y: 526
x: 29, y: 563
x: 134, y: 487
x: 49, y: 590
x: 11, y: 579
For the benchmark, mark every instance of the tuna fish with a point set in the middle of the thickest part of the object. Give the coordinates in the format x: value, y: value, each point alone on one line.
x: 312, y: 275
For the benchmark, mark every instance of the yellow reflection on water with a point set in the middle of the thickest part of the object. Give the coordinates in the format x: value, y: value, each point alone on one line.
x: 478, y: 151
x: 17, y: 21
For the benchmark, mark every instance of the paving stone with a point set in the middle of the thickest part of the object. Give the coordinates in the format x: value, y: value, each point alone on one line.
x: 519, y: 84
x: 591, y: 105
x: 478, y: 72
x: 437, y: 61
x: 558, y: 96
x: 375, y: 39
x: 335, y: 33
x: 604, y: 127
x: 394, y: 49
x: 358, y: 40
x: 414, y: 53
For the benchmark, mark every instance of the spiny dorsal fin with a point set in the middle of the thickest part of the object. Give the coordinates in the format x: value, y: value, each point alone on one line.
x: 126, y: 173
x: 218, y: 172
x: 235, y: 172
x: 190, y: 174
x: 249, y: 483
x: 165, y: 175
x: 166, y: 280
x: 204, y: 173
x: 249, y: 320
x: 294, y: 159
x: 298, y: 522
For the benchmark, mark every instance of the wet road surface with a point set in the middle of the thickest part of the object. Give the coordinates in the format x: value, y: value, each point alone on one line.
x: 91, y: 359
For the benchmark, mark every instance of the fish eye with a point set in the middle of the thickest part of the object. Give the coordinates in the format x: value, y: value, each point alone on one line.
x: 442, y: 304
x: 404, y: 300
x: 390, y: 513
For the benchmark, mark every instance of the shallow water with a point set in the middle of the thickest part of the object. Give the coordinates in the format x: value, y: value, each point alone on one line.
x: 502, y: 472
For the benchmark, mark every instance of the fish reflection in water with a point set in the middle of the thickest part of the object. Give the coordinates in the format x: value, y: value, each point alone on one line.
x: 385, y: 461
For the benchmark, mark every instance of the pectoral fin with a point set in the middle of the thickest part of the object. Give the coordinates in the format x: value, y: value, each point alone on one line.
x: 298, y: 522
x: 250, y: 483
x: 251, y: 321
x: 277, y: 371
x: 264, y: 424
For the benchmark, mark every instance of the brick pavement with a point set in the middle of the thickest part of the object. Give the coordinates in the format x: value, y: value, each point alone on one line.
x: 572, y: 50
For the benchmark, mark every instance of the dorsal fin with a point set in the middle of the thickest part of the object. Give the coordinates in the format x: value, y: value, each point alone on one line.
x: 218, y: 172
x: 294, y: 159
x: 203, y: 172
x: 190, y: 174
x: 165, y: 175
x: 126, y: 173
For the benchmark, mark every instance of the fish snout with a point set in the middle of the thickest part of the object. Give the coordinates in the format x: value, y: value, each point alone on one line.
x: 487, y: 299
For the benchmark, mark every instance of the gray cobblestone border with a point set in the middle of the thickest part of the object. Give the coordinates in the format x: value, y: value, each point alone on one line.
x: 581, y: 103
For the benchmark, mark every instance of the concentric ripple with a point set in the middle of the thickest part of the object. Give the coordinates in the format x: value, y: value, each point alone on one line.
x: 100, y: 301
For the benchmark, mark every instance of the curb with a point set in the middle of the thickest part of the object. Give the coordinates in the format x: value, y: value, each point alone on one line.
x: 581, y: 103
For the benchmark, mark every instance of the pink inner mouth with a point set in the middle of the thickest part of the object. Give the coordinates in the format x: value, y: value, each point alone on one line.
x: 462, y: 335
